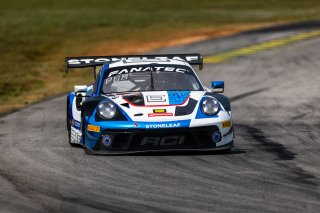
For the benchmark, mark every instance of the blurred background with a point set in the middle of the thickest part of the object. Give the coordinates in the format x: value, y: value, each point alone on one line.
x: 36, y: 35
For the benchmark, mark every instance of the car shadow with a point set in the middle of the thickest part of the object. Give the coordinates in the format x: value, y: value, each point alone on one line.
x: 234, y: 151
x: 76, y: 146
x: 189, y: 153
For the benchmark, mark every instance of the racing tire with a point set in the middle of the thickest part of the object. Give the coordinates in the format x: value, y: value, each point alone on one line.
x: 228, y: 150
x: 69, y: 126
x: 83, y: 138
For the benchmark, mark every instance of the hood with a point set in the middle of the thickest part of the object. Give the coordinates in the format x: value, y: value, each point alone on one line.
x: 159, y: 105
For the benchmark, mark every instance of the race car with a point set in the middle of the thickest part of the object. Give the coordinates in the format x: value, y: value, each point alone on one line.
x: 145, y: 103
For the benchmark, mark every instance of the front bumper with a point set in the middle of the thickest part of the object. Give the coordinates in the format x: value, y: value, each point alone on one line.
x: 149, y: 140
x: 227, y: 146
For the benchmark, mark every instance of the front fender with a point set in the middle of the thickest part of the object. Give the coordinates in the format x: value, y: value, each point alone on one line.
x: 89, y: 105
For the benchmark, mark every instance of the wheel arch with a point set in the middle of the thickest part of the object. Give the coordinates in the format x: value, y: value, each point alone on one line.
x: 225, y: 101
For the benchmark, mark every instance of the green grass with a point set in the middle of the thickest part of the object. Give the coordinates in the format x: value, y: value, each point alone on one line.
x: 35, y: 35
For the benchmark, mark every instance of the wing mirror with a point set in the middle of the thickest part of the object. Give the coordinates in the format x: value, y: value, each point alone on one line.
x: 79, y: 98
x: 217, y: 86
x: 80, y: 95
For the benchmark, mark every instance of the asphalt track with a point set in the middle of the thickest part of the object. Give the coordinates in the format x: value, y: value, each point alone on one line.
x: 275, y: 166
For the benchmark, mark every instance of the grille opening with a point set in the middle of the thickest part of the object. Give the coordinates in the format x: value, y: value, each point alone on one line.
x: 121, y: 141
x: 204, y: 137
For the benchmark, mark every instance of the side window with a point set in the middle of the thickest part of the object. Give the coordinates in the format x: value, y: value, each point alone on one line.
x: 96, y: 83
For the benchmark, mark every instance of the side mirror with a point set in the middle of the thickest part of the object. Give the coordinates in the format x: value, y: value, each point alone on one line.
x: 80, y: 96
x: 79, y: 99
x: 217, y: 86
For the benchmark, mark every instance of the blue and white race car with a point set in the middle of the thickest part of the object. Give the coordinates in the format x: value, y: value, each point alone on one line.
x: 148, y: 103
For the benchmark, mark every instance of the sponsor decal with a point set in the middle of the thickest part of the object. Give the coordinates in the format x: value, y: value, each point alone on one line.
x: 144, y: 69
x: 93, y: 128
x: 163, y: 141
x: 77, y: 61
x: 226, y: 124
x: 160, y: 114
x: 117, y: 78
x: 159, y: 110
x: 77, y: 124
x: 163, y: 125
x: 156, y: 98
x: 89, y: 60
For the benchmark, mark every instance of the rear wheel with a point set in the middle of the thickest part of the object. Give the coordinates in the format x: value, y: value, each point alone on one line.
x: 69, y: 136
x: 69, y: 125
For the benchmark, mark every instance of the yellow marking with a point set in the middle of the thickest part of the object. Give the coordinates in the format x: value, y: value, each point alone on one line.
x: 252, y: 49
x: 93, y: 128
x: 226, y: 124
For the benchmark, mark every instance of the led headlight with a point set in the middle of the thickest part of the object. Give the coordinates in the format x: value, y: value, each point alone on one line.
x: 107, y: 109
x: 210, y: 106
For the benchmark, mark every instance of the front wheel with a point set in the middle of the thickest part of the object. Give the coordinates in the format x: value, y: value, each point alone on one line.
x: 86, y: 150
x: 229, y: 149
x: 83, y: 137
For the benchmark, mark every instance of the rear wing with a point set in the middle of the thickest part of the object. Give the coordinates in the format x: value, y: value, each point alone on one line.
x: 94, y: 61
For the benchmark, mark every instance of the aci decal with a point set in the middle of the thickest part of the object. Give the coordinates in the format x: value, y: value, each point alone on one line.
x: 163, y: 141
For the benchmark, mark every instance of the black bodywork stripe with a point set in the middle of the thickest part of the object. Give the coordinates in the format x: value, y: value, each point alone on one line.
x: 186, y: 110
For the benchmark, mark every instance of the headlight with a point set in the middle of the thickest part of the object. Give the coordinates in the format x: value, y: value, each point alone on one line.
x: 107, y: 109
x: 210, y: 106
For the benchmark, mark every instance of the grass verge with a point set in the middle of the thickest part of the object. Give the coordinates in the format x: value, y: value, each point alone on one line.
x: 36, y: 35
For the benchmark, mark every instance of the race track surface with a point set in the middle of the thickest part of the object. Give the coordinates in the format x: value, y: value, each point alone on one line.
x: 275, y: 166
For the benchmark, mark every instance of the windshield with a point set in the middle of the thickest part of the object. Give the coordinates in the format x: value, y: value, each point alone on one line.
x: 150, y: 78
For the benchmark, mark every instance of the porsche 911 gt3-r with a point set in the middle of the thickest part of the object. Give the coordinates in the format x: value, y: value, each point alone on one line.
x: 144, y: 103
